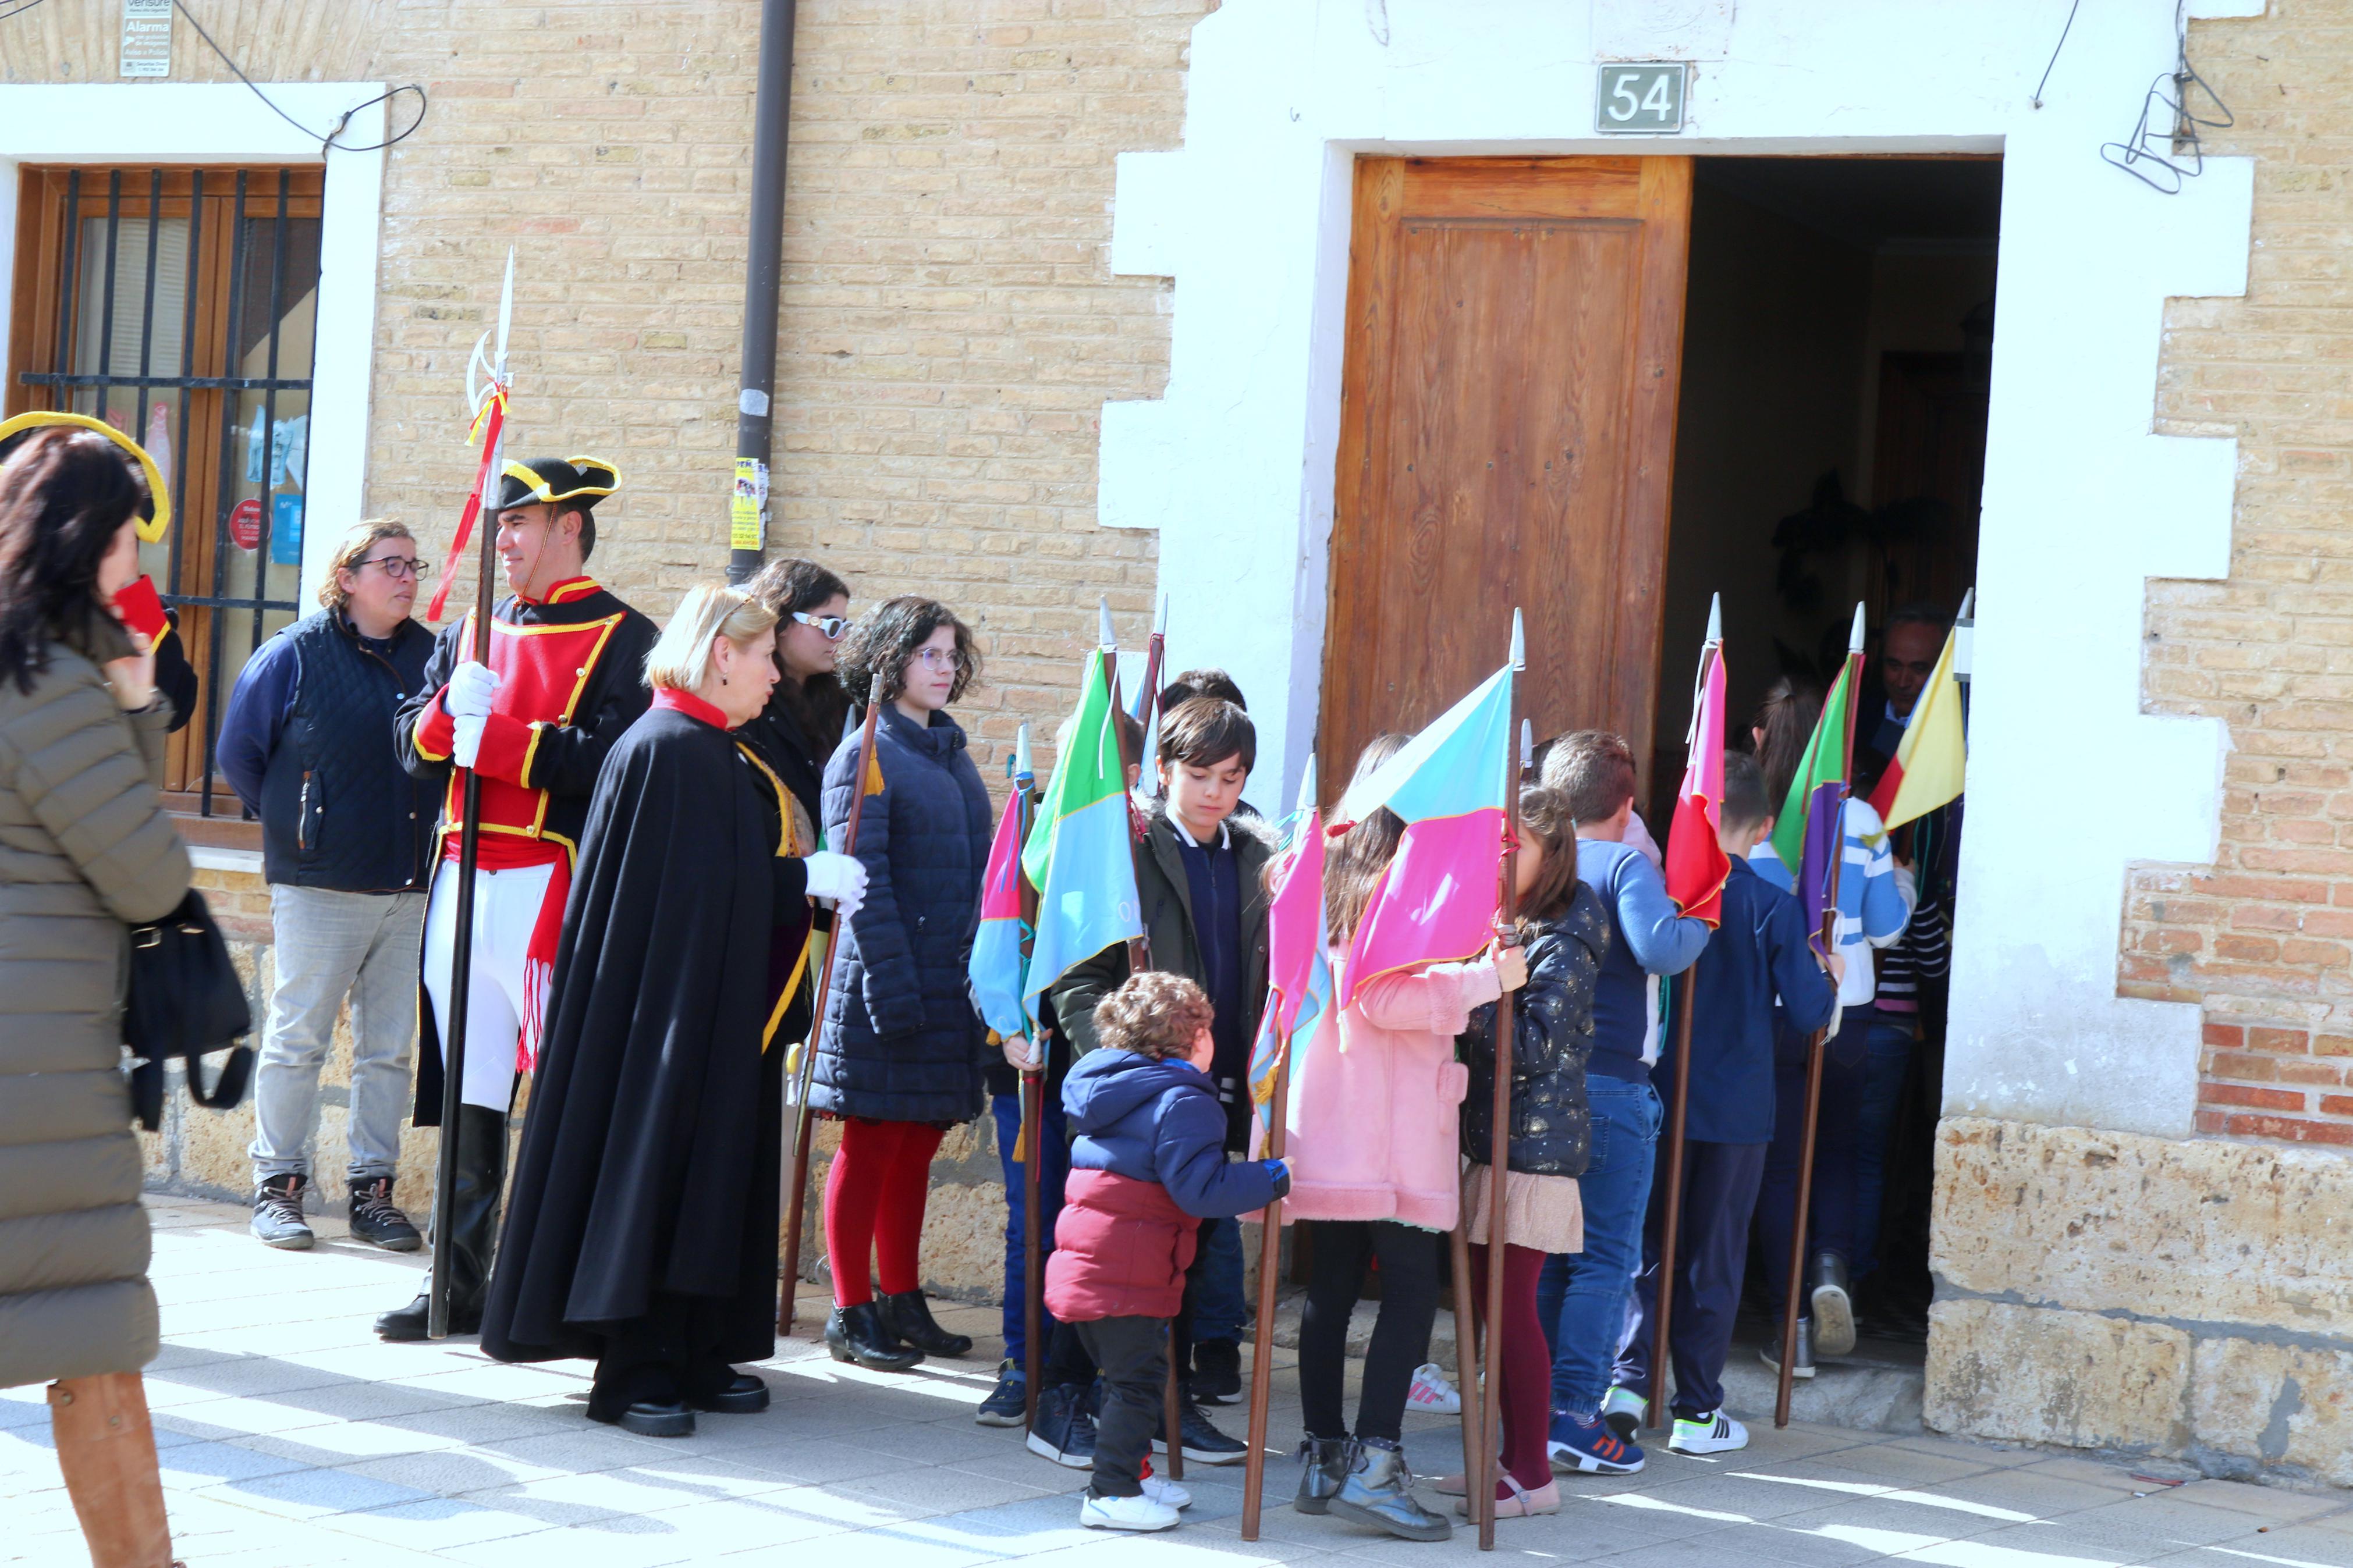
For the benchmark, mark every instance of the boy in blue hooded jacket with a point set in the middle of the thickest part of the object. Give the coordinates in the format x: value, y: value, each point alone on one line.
x: 1147, y: 1164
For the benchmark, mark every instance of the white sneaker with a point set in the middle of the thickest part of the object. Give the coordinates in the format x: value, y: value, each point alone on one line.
x: 1125, y: 1513
x: 1715, y: 1433
x: 1161, y: 1489
x: 1431, y: 1394
x: 1622, y: 1410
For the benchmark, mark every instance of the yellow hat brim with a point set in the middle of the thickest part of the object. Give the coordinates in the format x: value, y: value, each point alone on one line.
x: 150, y: 530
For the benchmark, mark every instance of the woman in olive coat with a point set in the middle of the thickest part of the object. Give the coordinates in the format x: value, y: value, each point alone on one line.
x: 86, y: 851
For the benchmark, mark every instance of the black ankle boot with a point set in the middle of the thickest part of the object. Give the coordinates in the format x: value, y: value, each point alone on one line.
x: 479, y: 1148
x: 856, y: 1334
x: 1326, y: 1467
x: 908, y: 1316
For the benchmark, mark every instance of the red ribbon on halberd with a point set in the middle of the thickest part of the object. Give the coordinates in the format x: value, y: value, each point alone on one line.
x: 487, y: 426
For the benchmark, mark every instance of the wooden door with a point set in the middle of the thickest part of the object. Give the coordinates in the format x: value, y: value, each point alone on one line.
x: 1507, y: 438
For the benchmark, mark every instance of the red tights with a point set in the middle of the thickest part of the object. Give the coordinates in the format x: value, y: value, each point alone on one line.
x: 1527, y: 1367
x: 874, y: 1208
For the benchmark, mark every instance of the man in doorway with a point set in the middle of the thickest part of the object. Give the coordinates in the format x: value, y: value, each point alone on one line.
x: 1908, y: 646
x: 347, y: 844
x: 564, y: 678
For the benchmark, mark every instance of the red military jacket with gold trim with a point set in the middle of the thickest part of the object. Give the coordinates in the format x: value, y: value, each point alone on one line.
x: 571, y: 676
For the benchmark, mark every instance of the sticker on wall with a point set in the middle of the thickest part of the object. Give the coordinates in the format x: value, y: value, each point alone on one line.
x: 146, y: 38
x: 245, y: 524
x: 1641, y: 99
x: 286, y: 531
x: 748, y: 508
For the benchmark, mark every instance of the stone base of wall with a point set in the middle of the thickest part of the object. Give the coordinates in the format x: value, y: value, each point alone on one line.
x: 2191, y: 1300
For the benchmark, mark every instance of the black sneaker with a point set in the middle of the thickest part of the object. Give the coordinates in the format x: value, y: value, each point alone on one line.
x: 1202, y: 1441
x: 1217, y: 1371
x: 377, y: 1220
x: 1008, y: 1403
x: 278, y: 1212
x: 1065, y: 1431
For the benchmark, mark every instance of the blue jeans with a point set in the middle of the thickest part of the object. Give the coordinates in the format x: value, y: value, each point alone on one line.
x: 1883, y: 1092
x: 1581, y: 1298
x: 1218, y: 1308
x: 1053, y: 1169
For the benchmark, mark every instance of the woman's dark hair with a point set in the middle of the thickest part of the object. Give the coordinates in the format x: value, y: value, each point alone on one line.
x: 1544, y: 818
x: 1356, y: 863
x: 1787, y: 718
x: 64, y: 495
x: 791, y: 585
x: 875, y: 657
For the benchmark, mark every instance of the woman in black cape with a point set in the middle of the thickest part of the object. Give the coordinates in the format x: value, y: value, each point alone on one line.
x: 642, y: 1232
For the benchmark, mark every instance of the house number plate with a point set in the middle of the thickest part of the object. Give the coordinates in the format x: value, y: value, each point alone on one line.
x: 1644, y: 100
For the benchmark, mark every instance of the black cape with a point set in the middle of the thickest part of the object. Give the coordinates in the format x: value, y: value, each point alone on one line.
x: 649, y: 1178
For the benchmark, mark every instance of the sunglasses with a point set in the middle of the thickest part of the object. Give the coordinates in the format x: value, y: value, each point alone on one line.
x: 830, y: 628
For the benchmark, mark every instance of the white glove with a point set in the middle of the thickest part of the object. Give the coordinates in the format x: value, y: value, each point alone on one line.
x: 468, y: 744
x: 470, y: 691
x: 837, y: 877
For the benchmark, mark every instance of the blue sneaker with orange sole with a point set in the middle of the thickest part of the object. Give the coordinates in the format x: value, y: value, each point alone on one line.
x: 1588, y: 1447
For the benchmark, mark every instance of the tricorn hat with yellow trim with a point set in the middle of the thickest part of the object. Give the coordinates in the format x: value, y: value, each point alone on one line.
x: 583, y: 481
x: 156, y: 518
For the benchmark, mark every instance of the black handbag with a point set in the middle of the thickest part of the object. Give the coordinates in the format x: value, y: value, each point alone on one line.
x: 186, y: 1001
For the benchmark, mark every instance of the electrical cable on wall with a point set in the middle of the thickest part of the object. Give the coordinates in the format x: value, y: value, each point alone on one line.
x: 2163, y: 158
x: 327, y: 142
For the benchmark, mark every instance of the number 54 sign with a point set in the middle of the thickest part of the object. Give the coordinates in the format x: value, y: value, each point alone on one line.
x: 1644, y: 100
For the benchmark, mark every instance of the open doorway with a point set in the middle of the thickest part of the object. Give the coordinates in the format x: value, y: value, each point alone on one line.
x: 1830, y: 449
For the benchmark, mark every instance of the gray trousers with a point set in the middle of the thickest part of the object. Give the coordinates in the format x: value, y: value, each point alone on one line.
x: 331, y: 945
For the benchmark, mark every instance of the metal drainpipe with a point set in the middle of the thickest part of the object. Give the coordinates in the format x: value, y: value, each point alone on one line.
x: 770, y: 119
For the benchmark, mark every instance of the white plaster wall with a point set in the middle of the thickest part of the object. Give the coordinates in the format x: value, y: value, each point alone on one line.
x: 187, y: 122
x: 2071, y: 781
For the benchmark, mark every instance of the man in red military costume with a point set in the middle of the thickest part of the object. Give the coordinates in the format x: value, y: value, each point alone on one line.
x: 565, y: 678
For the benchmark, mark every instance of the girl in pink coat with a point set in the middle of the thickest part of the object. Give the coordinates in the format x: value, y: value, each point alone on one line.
x: 1374, y: 1151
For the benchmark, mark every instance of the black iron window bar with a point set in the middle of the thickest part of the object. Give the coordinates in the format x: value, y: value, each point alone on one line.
x: 65, y: 384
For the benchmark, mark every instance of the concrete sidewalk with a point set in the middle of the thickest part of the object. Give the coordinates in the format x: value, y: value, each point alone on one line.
x: 293, y: 1438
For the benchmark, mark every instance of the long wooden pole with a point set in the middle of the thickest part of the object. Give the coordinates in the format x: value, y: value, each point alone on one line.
x: 1270, y: 1262
x: 1671, y: 1208
x: 1139, y: 958
x: 1507, y: 900
x: 1033, y: 1104
x: 462, y: 940
x: 1801, y: 1221
x: 798, y: 1213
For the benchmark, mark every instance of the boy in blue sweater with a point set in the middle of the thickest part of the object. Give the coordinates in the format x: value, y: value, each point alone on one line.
x: 1581, y: 1298
x: 1760, y: 953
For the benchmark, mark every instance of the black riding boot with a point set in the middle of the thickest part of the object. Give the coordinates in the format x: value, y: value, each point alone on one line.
x: 480, y: 1152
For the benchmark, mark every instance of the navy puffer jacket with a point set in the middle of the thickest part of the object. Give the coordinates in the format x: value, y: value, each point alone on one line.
x: 899, y: 1040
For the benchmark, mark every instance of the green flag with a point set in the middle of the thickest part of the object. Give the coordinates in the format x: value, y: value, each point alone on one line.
x: 1825, y: 762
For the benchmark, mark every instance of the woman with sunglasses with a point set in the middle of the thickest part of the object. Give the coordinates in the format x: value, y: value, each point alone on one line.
x: 899, y: 1049
x: 802, y: 721
x: 797, y: 729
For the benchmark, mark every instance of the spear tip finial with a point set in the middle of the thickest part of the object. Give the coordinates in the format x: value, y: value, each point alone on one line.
x: 1105, y: 636
x: 1160, y: 621
x: 1968, y: 606
x: 1855, y: 638
x: 1023, y: 768
x: 1307, y: 787
x: 1519, y: 642
x: 1715, y: 618
x: 1527, y: 744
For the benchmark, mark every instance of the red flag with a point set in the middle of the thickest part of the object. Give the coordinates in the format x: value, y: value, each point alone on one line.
x: 1696, y: 864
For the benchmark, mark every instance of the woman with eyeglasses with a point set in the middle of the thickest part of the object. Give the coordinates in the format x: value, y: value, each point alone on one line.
x: 900, y: 1050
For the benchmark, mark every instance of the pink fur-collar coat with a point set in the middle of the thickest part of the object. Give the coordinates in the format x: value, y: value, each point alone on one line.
x: 1375, y: 1130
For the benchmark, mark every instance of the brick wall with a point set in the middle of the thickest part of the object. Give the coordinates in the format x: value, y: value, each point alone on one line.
x: 2263, y: 940
x: 950, y: 328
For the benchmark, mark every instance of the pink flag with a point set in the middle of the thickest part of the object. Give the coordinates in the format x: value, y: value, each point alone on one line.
x: 1437, y: 900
